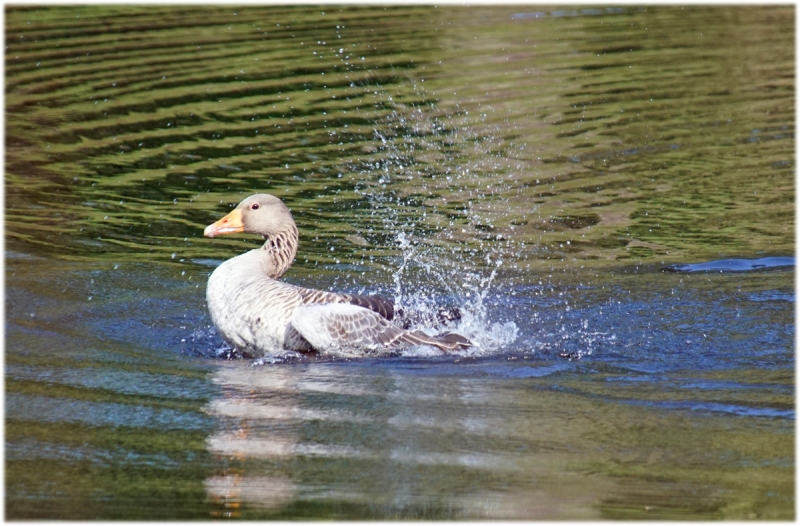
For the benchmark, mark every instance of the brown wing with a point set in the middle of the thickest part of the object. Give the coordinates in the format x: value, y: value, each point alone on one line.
x: 377, y: 304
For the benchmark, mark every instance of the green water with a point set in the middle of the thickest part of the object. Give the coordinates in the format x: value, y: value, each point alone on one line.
x: 538, y: 165
x: 649, y: 134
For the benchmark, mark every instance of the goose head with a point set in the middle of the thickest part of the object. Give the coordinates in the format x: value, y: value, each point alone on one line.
x: 261, y: 214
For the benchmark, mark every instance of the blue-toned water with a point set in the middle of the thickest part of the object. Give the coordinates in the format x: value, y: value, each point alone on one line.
x: 736, y: 265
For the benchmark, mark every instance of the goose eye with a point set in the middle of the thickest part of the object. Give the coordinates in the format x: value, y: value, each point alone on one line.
x: 254, y: 206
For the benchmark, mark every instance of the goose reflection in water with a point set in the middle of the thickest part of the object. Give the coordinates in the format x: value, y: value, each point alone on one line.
x: 246, y: 433
x: 383, y: 441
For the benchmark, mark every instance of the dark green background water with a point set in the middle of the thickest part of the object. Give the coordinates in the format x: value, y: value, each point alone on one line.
x: 537, y: 164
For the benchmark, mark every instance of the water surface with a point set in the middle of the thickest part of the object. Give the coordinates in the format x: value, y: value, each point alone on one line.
x: 542, y: 168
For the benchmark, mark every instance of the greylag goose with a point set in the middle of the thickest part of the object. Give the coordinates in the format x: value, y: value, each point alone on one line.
x: 258, y: 314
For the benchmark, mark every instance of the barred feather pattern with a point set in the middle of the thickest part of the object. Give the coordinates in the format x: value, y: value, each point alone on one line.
x: 347, y: 328
x: 281, y: 249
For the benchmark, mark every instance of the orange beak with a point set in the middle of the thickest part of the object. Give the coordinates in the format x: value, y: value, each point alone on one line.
x: 230, y: 224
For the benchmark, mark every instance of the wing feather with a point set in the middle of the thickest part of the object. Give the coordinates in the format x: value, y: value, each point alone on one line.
x: 336, y: 327
x: 377, y: 304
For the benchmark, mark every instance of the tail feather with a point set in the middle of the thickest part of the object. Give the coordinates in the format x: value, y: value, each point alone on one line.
x: 447, y: 342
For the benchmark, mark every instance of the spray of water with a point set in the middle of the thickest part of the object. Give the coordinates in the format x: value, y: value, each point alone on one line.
x: 425, y: 185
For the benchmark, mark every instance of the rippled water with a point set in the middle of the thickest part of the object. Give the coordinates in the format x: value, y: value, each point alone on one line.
x: 608, y: 193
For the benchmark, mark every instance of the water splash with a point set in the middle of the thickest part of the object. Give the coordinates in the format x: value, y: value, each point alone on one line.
x: 441, y: 219
x: 458, y: 289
